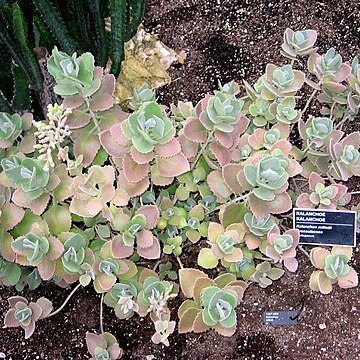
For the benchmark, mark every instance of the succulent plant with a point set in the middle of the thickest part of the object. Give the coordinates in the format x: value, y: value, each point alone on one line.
x: 345, y: 156
x: 282, y: 247
x: 11, y: 127
x: 140, y: 96
x: 25, y: 314
x: 298, y: 43
x: 260, y: 111
x: 329, y: 68
x: 38, y: 249
x: 148, y: 127
x: 75, y: 256
x: 213, y: 304
x: 264, y: 274
x: 268, y: 175
x: 262, y: 138
x: 222, y: 112
x: 183, y: 110
x: 284, y: 111
x: 93, y: 191
x: 71, y: 73
x: 219, y: 307
x: 164, y: 329
x: 122, y: 297
x: 154, y: 296
x: 281, y: 82
x: 259, y: 227
x: 333, y: 268
x: 173, y: 245
x: 104, y: 346
x: 322, y: 196
x: 28, y: 174
x: 223, y: 246
x: 137, y: 228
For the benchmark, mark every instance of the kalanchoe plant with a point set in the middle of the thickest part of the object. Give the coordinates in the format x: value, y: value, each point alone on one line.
x: 104, y: 346
x: 298, y: 43
x: 264, y: 274
x: 99, y: 196
x: 322, y: 196
x: 282, y: 247
x: 333, y: 268
x: 281, y: 81
x: 25, y: 314
x: 37, y: 248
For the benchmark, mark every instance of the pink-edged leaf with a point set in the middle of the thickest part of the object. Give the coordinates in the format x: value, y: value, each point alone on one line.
x: 88, y: 145
x: 144, y: 239
x: 349, y: 280
x: 28, y: 142
x: 303, y: 201
x: 56, y: 248
x: 134, y: 172
x: 119, y: 249
x: 152, y: 252
x: 65, y: 189
x: 169, y: 149
x: 283, y: 145
x: 6, y: 250
x: 214, y: 231
x: 218, y: 186
x: 139, y: 157
x: 151, y: 212
x: 172, y: 166
x: 36, y: 206
x: 291, y: 264
x: 187, y: 278
x: 262, y: 209
x: 10, y: 320
x: 46, y: 306
x: 46, y: 269
x: 121, y: 197
x: 93, y: 341
x: 78, y: 119
x: 189, y: 148
x: 72, y: 102
x: 229, y: 173
x: 318, y: 256
x: 195, y: 131
x: 252, y: 241
x: 133, y: 189
x: 11, y: 215
x: 222, y: 154
x: 224, y: 139
x: 110, y: 145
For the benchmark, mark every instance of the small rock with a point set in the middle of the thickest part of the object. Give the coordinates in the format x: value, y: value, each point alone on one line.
x: 322, y: 326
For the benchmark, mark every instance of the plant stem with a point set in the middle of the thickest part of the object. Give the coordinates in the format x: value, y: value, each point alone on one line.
x: 341, y: 123
x: 101, y: 313
x: 202, y: 149
x: 180, y: 263
x: 332, y: 110
x: 93, y: 117
x: 309, y: 101
x: 66, y: 301
x: 354, y: 193
x: 240, y: 198
x: 304, y: 251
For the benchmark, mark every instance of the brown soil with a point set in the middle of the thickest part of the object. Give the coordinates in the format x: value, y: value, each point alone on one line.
x: 224, y: 40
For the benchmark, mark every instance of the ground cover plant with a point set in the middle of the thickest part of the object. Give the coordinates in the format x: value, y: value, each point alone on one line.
x: 95, y: 195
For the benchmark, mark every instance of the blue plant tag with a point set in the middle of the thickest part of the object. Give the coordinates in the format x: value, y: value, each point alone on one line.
x: 325, y: 227
x: 280, y: 318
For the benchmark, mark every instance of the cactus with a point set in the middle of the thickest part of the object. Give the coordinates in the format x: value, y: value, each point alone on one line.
x: 71, y: 26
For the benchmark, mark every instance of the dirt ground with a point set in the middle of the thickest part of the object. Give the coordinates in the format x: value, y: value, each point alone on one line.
x: 224, y: 40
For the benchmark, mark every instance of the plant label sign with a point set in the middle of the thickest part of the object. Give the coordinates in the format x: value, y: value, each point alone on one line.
x: 325, y: 227
x: 278, y: 318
